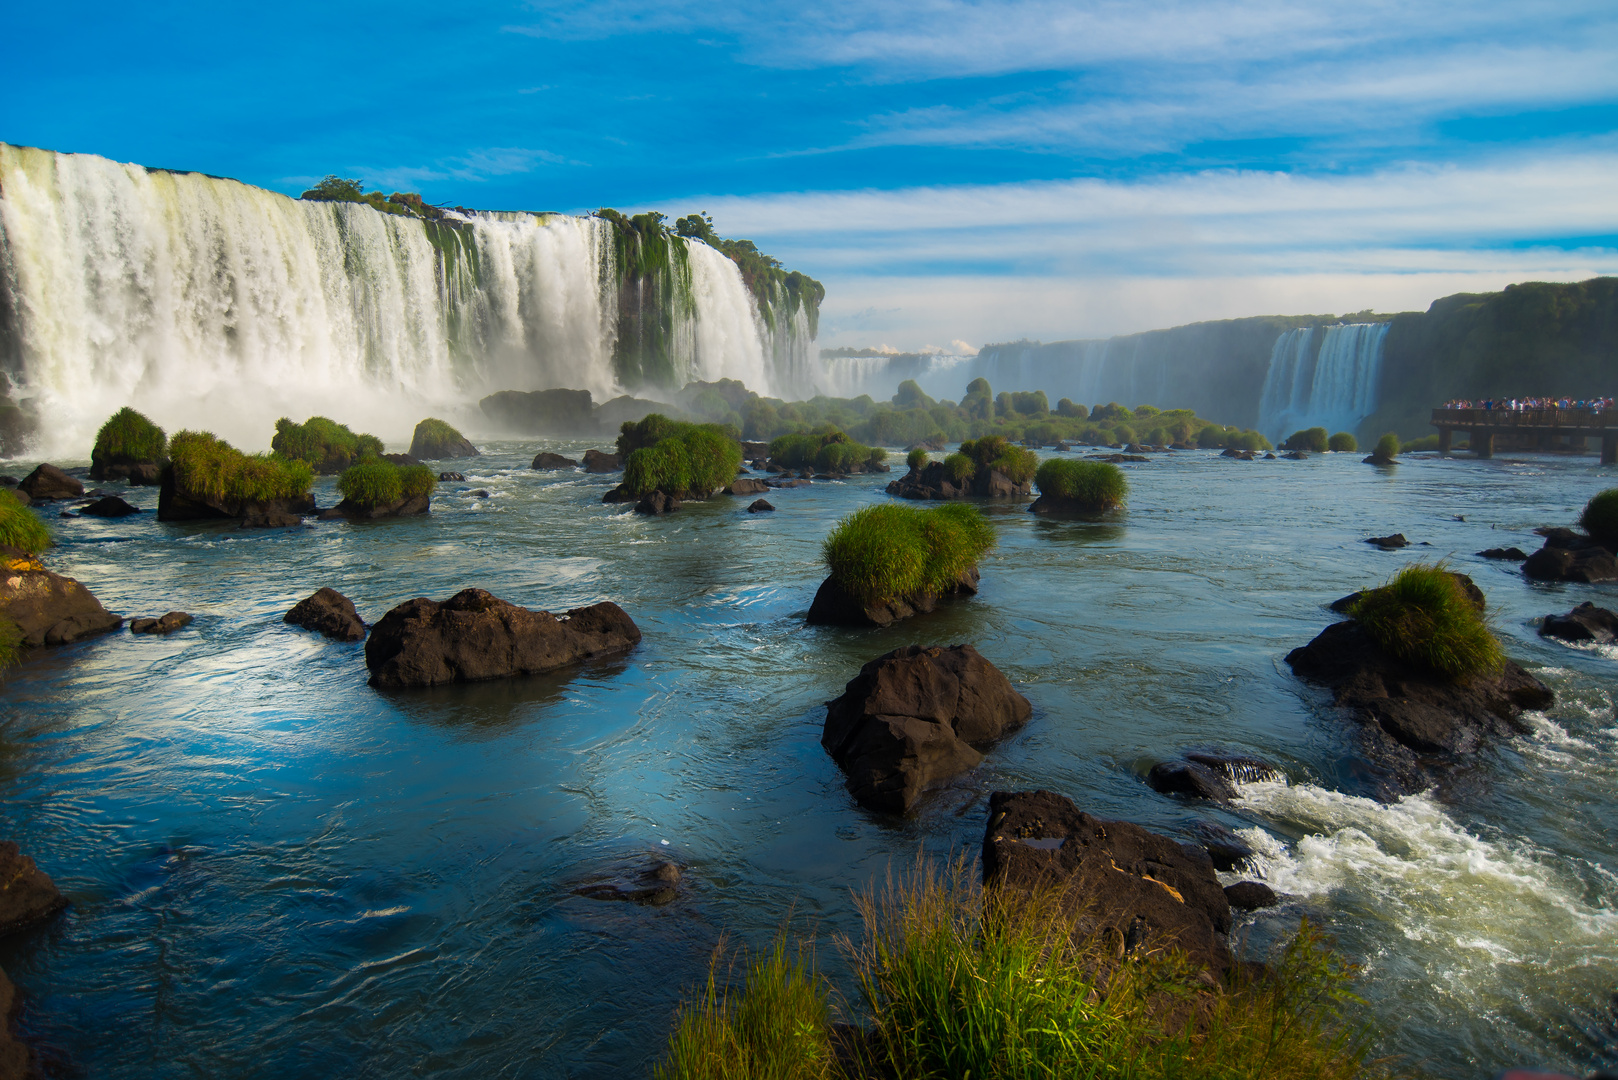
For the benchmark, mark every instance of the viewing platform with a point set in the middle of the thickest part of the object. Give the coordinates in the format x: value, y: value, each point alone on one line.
x: 1547, y: 425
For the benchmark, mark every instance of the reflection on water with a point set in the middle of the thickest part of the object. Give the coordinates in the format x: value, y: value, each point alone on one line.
x: 277, y: 870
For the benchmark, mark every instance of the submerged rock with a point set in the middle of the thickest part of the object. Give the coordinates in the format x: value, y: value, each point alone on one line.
x: 1134, y: 886
x: 475, y: 635
x: 760, y: 506
x: 108, y: 506
x: 545, y: 460
x: 650, y: 885
x: 1584, y: 623
x: 328, y: 612
x: 1240, y: 455
x: 451, y: 476
x: 47, y: 482
x: 915, y: 717
x: 163, y: 624
x: 1571, y: 556
x: 48, y: 608
x: 599, y: 461
x: 1379, y: 459
x: 1510, y: 554
x: 657, y: 502
x: 1227, y: 850
x: 833, y: 606
x: 1388, y: 543
x: 28, y: 896
x: 1190, y: 778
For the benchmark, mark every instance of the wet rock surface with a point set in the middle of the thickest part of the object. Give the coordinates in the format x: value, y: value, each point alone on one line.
x: 935, y: 481
x: 174, y: 505
x: 108, y: 506
x: 1131, y: 885
x: 1571, y: 556
x: 408, y: 506
x: 915, y: 717
x: 1251, y: 896
x: 599, y: 461
x: 327, y: 611
x: 47, y: 483
x: 28, y: 897
x: 133, y: 473
x: 746, y: 485
x: 546, y: 460
x: 163, y: 624
x: 1509, y: 554
x: 833, y: 606
x: 424, y: 444
x: 475, y: 635
x: 653, y: 883
x: 1226, y: 850
x: 451, y: 477
x: 760, y: 506
x: 1584, y: 623
x: 48, y: 608
x: 657, y: 502
x: 1388, y: 543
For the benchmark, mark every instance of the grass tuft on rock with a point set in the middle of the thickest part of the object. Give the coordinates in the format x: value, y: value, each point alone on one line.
x: 1312, y: 439
x: 207, y: 467
x: 1600, y: 517
x: 329, y: 447
x: 994, y: 452
x: 956, y: 980
x: 917, y: 458
x: 890, y: 552
x: 379, y: 483
x: 829, y: 450
x: 682, y: 460
x: 1387, y: 446
x: 128, y: 437
x: 1423, y: 617
x: 432, y: 438
x: 20, y: 527
x: 1342, y: 442
x: 1090, y: 485
x: 11, y: 644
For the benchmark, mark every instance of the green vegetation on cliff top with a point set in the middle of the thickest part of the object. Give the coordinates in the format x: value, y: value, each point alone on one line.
x: 762, y: 274
x: 206, y: 467
x: 892, y: 552
x: 340, y: 189
x: 128, y: 437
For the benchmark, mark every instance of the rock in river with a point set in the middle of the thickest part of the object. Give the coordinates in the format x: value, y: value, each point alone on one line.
x: 48, y: 608
x: 163, y: 624
x: 915, y: 717
x: 474, y: 636
x: 1251, y: 895
x: 598, y: 461
x: 328, y: 612
x: 1129, y: 884
x: 834, y: 606
x: 545, y: 460
x: 1584, y: 623
x: 48, y: 482
x: 1571, y: 556
x: 27, y: 895
x: 109, y: 506
x: 760, y: 506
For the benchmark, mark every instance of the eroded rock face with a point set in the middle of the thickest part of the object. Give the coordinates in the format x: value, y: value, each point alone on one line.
x: 475, y: 635
x: 597, y: 461
x: 163, y: 624
x: 173, y: 505
x: 1129, y: 884
x: 657, y: 502
x: 28, y: 896
x: 133, y: 473
x: 833, y: 606
x: 1571, y: 556
x: 49, y: 609
x: 746, y: 485
x: 48, y: 482
x: 760, y: 506
x: 546, y: 460
x: 915, y: 717
x: 409, y: 506
x: 1251, y: 895
x: 328, y: 612
x: 1584, y: 623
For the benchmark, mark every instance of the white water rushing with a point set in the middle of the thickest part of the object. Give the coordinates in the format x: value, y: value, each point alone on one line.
x: 208, y: 302
x: 1322, y: 380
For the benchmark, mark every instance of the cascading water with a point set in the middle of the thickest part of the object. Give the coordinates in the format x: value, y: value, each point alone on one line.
x: 209, y: 303
x: 1322, y: 380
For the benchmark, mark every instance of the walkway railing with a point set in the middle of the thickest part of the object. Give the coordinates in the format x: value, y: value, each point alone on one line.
x: 1539, y: 418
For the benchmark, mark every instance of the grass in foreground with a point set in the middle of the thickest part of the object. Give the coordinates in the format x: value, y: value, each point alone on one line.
x: 893, y: 552
x: 960, y: 981
x: 1091, y: 485
x: 20, y: 527
x: 1600, y: 517
x: 128, y: 436
x: 378, y: 483
x: 1422, y: 617
x: 207, y: 467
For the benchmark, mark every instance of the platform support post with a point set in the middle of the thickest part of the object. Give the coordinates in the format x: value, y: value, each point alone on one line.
x: 1609, y: 448
x: 1444, y: 436
x: 1483, y: 443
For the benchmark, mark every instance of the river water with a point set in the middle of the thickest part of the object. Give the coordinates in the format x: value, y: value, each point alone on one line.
x: 277, y: 871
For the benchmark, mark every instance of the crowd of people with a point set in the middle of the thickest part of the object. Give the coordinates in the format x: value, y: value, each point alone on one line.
x: 1530, y: 404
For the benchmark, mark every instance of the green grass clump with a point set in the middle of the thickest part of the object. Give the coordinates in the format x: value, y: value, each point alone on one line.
x: 917, y: 458
x: 959, y: 467
x: 1091, y: 485
x: 207, y: 467
x: 891, y: 552
x: 828, y: 450
x: 1341, y: 442
x: 128, y: 437
x: 994, y: 452
x: 1387, y: 446
x: 957, y: 980
x: 1313, y: 439
x: 687, y: 460
x: 1600, y: 517
x: 377, y: 483
x: 431, y: 438
x: 20, y: 527
x: 1423, y: 617
x: 326, y: 445
x: 11, y: 646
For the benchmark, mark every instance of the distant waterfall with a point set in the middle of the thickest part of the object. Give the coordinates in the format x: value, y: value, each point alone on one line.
x: 210, y: 303
x: 1332, y: 384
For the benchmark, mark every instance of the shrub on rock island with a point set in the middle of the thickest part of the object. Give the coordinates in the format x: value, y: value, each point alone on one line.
x: 1312, y: 439
x: 382, y: 483
x: 959, y: 467
x: 681, y: 460
x: 1423, y: 617
x: 435, y: 440
x: 1342, y: 442
x: 1387, y: 446
x: 20, y: 527
x: 829, y: 450
x: 994, y: 452
x: 1087, y: 485
x: 889, y: 552
x: 329, y: 447
x: 1600, y: 517
x: 128, y: 437
x: 917, y: 458
x: 208, y: 468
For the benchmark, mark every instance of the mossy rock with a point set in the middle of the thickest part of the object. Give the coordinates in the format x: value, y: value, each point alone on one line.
x: 435, y: 440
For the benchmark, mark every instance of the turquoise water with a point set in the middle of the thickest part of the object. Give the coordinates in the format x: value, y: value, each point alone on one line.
x: 278, y: 871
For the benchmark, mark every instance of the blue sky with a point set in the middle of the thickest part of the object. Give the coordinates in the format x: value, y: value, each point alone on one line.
x: 952, y: 171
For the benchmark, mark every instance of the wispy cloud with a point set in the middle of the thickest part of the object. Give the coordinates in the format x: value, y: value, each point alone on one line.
x: 475, y: 166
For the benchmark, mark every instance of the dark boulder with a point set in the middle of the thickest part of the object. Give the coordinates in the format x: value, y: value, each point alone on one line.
x: 546, y: 460
x: 474, y: 636
x: 915, y: 717
x: 163, y: 624
x: 451, y: 476
x: 1190, y: 778
x: 935, y: 481
x: 438, y: 445
x: 109, y: 506
x: 650, y: 884
x: 833, y: 606
x: 1131, y: 885
x: 760, y: 506
x: 27, y: 895
x: 1295, y: 455
x: 8, y: 481
x: 15, y: 1061
x: 1240, y: 455
x: 1510, y: 554
x: 407, y: 506
x: 1571, y: 556
x: 1417, y: 709
x: 743, y: 485
x: 1379, y: 459
x: 1227, y: 850
x: 619, y: 494
x: 1237, y: 768
x: 402, y: 460
x: 49, y: 609
x: 796, y: 482
x: 1251, y: 895
x: 597, y: 461
x: 48, y: 482
x: 1388, y: 543
x: 328, y: 612
x: 755, y: 451
x: 270, y: 517
x: 480, y: 493
x: 174, y: 505
x: 1584, y: 623
x: 133, y: 473
x: 657, y: 502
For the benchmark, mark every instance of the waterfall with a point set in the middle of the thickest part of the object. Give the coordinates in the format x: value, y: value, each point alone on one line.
x: 205, y: 302
x: 1331, y: 385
